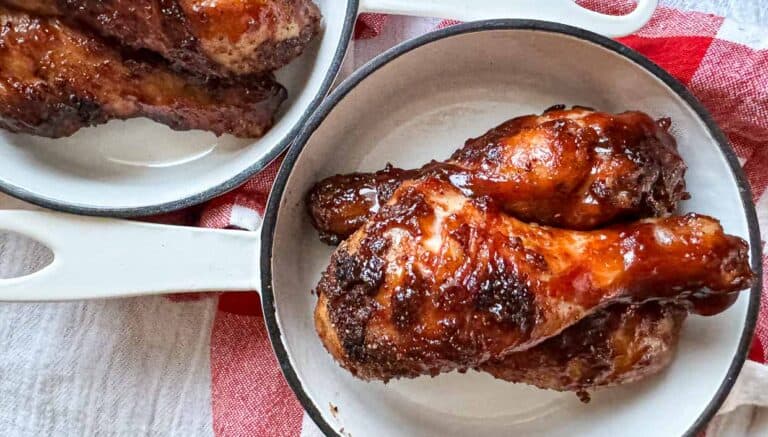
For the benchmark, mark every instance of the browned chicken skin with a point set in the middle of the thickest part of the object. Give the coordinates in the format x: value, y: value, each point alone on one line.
x: 619, y: 345
x: 55, y: 79
x: 573, y: 168
x: 212, y: 38
x: 436, y: 281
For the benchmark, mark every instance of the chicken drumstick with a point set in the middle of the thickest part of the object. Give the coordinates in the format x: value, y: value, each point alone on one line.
x: 210, y: 38
x: 55, y: 79
x: 574, y: 168
x: 437, y: 281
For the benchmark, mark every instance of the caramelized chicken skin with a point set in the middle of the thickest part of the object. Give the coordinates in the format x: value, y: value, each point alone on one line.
x: 619, y: 345
x: 574, y: 168
x: 436, y: 281
x: 212, y: 38
x: 55, y: 79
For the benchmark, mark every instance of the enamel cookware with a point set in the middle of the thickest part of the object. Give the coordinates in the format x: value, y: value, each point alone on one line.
x: 416, y: 102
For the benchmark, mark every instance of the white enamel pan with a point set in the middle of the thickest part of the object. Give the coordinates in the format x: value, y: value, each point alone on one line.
x: 416, y: 102
x: 139, y: 167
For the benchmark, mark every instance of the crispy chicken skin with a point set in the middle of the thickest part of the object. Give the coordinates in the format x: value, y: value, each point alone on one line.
x: 619, y: 345
x: 574, y: 168
x: 437, y: 281
x: 55, y: 79
x: 212, y: 38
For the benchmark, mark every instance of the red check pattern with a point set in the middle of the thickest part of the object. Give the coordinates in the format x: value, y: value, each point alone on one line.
x: 725, y: 66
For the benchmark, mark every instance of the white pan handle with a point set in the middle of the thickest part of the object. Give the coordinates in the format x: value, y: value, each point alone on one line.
x: 561, y: 11
x: 97, y: 257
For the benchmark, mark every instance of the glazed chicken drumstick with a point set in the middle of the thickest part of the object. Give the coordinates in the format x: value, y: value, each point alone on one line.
x: 211, y: 38
x: 620, y: 344
x: 55, y: 79
x: 574, y: 168
x: 436, y: 281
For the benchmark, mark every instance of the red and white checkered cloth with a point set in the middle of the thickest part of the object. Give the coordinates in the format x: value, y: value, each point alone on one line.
x: 726, y: 67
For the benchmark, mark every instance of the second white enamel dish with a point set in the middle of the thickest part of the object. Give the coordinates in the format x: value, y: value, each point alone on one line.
x: 137, y: 167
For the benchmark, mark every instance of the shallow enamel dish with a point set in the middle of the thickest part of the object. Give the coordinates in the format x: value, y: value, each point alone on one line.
x: 417, y: 102
x: 139, y: 167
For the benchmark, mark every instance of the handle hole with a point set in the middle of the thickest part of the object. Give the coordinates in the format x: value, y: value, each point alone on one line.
x: 21, y: 255
x: 623, y: 7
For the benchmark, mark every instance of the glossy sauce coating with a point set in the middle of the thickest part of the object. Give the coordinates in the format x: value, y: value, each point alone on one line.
x: 252, y: 36
x: 436, y: 281
x: 208, y: 37
x: 342, y: 204
x: 576, y: 168
x: 55, y: 79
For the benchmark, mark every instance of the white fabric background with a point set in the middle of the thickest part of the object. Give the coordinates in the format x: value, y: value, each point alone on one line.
x: 140, y: 366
